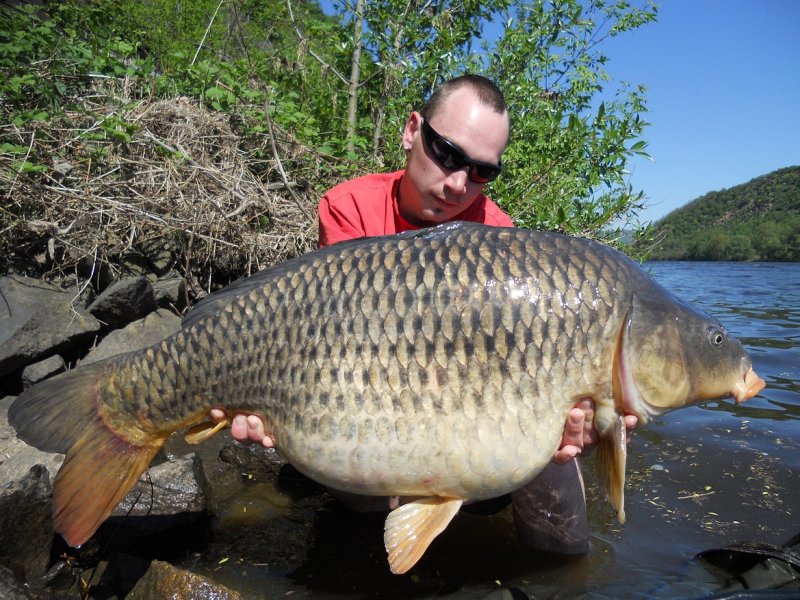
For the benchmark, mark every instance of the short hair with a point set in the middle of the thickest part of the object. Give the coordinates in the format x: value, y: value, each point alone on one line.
x: 488, y: 94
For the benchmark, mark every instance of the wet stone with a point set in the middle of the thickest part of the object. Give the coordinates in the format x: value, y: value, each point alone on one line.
x: 164, y: 580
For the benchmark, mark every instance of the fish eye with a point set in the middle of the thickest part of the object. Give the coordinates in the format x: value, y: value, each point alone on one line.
x: 716, y: 336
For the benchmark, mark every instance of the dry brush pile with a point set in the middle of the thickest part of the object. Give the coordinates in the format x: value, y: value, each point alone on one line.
x: 112, y: 185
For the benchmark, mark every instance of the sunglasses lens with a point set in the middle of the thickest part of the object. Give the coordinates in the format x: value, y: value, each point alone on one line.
x: 452, y: 159
x: 446, y: 155
x: 483, y: 173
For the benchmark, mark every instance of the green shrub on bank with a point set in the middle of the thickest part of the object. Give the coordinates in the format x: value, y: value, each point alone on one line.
x: 341, y: 95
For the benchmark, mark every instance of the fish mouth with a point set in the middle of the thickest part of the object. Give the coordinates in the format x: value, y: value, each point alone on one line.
x: 750, y: 385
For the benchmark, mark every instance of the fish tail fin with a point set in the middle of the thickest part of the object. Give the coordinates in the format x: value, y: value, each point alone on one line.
x: 63, y: 414
x: 53, y: 414
x: 98, y: 472
x: 612, y: 453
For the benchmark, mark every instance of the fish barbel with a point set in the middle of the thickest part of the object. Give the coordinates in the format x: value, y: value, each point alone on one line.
x: 438, y: 364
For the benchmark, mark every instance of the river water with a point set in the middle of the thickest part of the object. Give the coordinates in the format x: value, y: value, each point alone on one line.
x: 698, y: 478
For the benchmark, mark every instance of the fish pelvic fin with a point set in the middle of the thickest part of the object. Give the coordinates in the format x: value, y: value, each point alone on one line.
x: 204, y: 431
x: 411, y: 528
x: 612, y: 454
x: 98, y: 472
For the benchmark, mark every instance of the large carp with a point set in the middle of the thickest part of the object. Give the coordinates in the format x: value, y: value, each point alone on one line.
x: 439, y: 364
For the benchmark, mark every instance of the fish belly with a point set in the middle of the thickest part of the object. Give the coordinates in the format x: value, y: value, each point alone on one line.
x: 448, y: 456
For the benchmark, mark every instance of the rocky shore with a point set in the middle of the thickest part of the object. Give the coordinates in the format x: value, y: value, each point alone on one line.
x: 167, y: 517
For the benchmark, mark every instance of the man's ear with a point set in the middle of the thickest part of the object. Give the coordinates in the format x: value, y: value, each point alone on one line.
x: 410, y: 131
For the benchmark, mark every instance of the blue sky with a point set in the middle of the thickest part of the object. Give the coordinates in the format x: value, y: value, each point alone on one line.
x: 723, y: 81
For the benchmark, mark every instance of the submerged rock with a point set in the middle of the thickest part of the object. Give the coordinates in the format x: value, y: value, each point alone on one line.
x: 164, y: 580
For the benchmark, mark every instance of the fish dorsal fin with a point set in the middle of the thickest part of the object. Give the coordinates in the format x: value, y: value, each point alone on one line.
x: 410, y: 529
x: 202, y: 432
x: 612, y: 454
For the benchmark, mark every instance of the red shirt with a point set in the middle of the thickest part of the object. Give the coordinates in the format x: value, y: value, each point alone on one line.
x: 367, y: 206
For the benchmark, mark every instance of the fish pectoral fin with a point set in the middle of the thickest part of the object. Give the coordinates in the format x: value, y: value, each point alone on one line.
x: 202, y: 432
x: 410, y: 529
x: 612, y: 454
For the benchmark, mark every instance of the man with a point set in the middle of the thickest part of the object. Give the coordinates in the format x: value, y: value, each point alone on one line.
x: 454, y: 146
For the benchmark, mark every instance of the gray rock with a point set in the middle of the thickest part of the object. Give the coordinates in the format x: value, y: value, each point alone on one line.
x: 33, y: 374
x: 38, y: 320
x: 25, y: 524
x: 164, y: 580
x: 11, y: 590
x: 160, y: 256
x: 134, y: 264
x: 125, y: 301
x: 166, y: 489
x: 219, y: 480
x: 140, y: 334
x: 170, y: 291
x: 253, y: 460
x: 18, y: 458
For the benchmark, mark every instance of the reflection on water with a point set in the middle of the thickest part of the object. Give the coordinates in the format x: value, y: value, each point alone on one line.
x: 699, y: 478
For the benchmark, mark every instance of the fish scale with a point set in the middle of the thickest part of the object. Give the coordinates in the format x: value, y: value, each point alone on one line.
x: 438, y: 365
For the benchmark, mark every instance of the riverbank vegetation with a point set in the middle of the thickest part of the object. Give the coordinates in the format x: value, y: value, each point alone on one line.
x: 210, y: 128
x: 756, y: 221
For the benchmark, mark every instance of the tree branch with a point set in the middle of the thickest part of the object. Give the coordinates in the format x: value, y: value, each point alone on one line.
x: 310, y: 51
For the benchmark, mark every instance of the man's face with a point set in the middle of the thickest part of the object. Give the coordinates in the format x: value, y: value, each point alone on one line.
x: 430, y: 193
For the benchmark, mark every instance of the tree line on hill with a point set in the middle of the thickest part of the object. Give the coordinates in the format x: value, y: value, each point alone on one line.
x: 755, y: 221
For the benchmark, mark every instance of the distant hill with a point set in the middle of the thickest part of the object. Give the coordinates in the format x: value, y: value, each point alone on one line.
x: 756, y: 221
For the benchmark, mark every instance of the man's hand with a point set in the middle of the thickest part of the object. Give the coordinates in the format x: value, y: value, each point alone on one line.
x: 580, y: 437
x: 245, y: 428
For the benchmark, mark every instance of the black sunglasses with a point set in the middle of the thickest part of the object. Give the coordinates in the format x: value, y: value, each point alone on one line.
x: 452, y: 158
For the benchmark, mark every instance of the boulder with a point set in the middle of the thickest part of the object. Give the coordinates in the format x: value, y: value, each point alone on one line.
x: 26, y: 528
x: 16, y: 457
x: 160, y: 254
x: 140, y: 334
x: 33, y: 374
x: 25, y: 491
x: 166, y: 489
x: 125, y: 301
x: 170, y: 291
x: 10, y: 589
x: 38, y: 320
